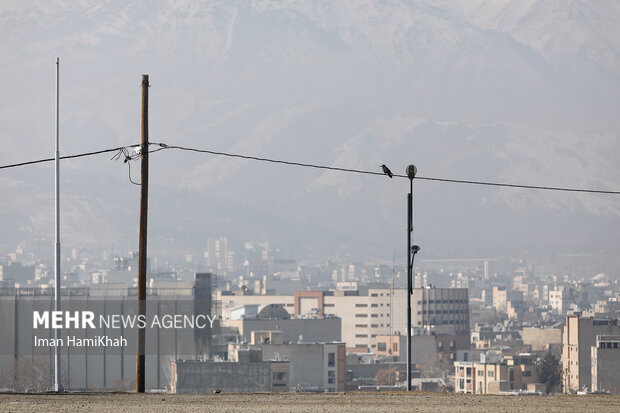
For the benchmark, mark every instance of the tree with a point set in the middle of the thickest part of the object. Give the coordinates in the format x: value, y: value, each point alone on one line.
x: 549, y: 372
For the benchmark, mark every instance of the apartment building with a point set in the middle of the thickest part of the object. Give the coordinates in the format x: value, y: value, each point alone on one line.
x: 579, y: 336
x: 512, y: 373
x: 381, y: 312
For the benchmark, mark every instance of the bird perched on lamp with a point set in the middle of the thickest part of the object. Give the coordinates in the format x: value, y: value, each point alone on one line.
x: 386, y: 170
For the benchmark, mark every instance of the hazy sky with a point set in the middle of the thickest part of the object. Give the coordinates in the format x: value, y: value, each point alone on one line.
x: 512, y: 91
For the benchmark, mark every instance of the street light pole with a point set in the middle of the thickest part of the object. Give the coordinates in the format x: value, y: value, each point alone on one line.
x: 411, y: 251
x: 57, y: 384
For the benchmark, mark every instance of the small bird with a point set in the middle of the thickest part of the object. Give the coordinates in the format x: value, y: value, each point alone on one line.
x: 386, y: 170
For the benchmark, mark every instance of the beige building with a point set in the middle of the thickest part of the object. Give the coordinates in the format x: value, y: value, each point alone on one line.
x: 560, y: 299
x: 364, y: 317
x: 513, y: 373
x: 605, y: 355
x: 579, y: 337
x: 500, y: 298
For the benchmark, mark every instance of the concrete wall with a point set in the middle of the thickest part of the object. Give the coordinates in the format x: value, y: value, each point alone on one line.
x: 23, y: 365
x: 540, y: 338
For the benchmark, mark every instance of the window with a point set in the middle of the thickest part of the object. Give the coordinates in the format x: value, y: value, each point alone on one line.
x: 331, y: 359
x: 381, y: 346
x: 491, y: 373
x: 526, y: 373
x: 395, y: 346
x: 374, y: 295
x: 374, y: 315
x: 361, y: 325
x: 361, y: 305
x: 278, y: 376
x: 361, y: 315
x: 480, y: 373
x: 374, y: 325
x: 361, y: 335
x: 374, y: 305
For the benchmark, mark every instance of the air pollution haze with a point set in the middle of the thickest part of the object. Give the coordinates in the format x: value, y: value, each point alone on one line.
x: 523, y: 92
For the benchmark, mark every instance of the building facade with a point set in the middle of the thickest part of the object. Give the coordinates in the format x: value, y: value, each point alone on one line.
x: 381, y: 312
x: 578, y: 337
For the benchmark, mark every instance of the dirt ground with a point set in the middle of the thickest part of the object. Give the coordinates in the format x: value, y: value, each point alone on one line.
x: 298, y: 402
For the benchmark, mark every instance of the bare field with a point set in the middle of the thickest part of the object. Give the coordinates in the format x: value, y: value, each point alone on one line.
x: 298, y: 402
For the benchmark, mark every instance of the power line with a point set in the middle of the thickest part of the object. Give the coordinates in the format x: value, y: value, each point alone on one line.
x: 360, y: 171
x: 122, y: 150
x: 79, y: 155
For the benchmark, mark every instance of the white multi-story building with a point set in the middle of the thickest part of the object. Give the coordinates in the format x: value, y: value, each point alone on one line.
x: 381, y: 312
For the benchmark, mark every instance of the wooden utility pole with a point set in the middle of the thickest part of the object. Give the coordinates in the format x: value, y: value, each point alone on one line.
x: 144, y: 200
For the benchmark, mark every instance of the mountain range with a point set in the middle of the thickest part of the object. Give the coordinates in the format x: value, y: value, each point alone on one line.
x: 524, y: 91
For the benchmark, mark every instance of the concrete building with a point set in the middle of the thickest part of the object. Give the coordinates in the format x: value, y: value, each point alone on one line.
x: 579, y: 336
x: 500, y: 298
x: 512, y: 373
x: 560, y: 299
x: 364, y: 317
x: 313, y: 366
x: 605, y: 355
x: 293, y: 330
x: 249, y: 373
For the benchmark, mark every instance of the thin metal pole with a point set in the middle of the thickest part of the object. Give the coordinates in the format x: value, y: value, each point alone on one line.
x: 409, y: 282
x: 57, y: 384
x: 142, y: 260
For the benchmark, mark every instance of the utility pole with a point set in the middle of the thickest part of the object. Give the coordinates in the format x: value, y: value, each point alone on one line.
x: 57, y: 384
x: 144, y: 199
x: 411, y: 252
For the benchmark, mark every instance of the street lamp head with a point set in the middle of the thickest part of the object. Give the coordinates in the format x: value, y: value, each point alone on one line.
x: 411, y: 171
x: 415, y: 249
